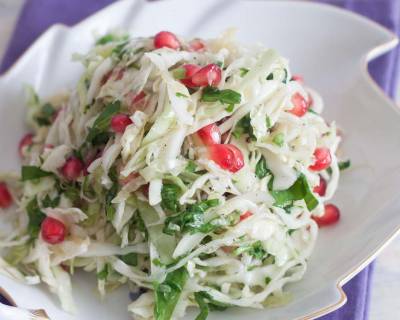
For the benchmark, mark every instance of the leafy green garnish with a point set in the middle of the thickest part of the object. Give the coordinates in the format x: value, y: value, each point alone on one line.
x: 110, y: 195
x: 72, y: 192
x: 343, y: 165
x: 107, y: 38
x: 270, y: 76
x: 227, y: 96
x: 181, y: 95
x: 244, y: 127
x: 262, y: 169
x: 103, y: 274
x: 47, y: 202
x: 279, y: 139
x: 179, y: 73
x: 298, y: 191
x: 267, y: 280
x: 203, y: 306
x: 36, y: 216
x: 243, y: 72
x: 230, y: 108
x: 192, y: 219
x: 169, y: 197
x: 255, y: 250
x: 268, y: 122
x: 167, y: 294
x: 211, y: 303
x: 191, y: 166
x: 102, y: 122
x: 33, y: 173
x: 47, y: 112
x: 131, y: 259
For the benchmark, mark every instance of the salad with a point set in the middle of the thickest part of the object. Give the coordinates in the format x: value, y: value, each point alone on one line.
x: 194, y: 172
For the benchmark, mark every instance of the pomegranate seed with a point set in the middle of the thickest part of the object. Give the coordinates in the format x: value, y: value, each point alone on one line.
x: 210, y: 75
x: 330, y: 216
x: 26, y: 141
x: 323, y: 159
x: 190, y: 70
x: 227, y: 249
x: 145, y: 190
x: 138, y: 97
x: 166, y: 39
x: 119, y: 123
x: 197, y: 45
x: 298, y: 78
x: 321, y: 188
x: 120, y: 73
x: 72, y: 168
x: 300, y: 105
x: 245, y: 215
x: 5, y: 196
x: 53, y: 230
x: 209, y: 134
x: 227, y: 156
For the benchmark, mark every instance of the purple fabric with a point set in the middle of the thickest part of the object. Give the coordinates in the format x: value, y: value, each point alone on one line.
x: 38, y: 15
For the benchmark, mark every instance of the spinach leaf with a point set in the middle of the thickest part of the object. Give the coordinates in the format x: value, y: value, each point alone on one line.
x: 228, y: 96
x: 343, y: 165
x: 191, y: 166
x: 169, y: 197
x: 33, y: 173
x: 167, y: 294
x: 102, y: 123
x: 103, y: 274
x: 298, y: 191
x: 192, y: 219
x: 36, y: 216
x: 107, y: 38
x: 262, y: 169
x: 243, y: 71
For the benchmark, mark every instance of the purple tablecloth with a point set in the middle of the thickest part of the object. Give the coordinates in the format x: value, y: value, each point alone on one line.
x: 38, y: 15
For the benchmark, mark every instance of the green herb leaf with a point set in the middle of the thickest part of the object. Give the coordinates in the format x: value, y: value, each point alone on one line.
x: 211, y: 303
x: 203, y: 306
x: 298, y: 191
x: 191, y: 166
x: 102, y: 122
x: 192, y: 219
x: 268, y: 122
x: 110, y: 195
x: 169, y: 197
x: 131, y: 259
x: 36, y: 216
x: 270, y: 76
x: 227, y: 96
x: 107, y: 39
x: 72, y: 193
x: 33, y: 173
x: 243, y: 72
x: 267, y: 280
x: 255, y: 250
x: 167, y: 294
x: 103, y: 274
x: 262, y: 169
x: 230, y: 108
x: 343, y: 165
x: 244, y: 127
x: 181, y: 95
x: 47, y: 202
x: 179, y: 73
x: 279, y: 139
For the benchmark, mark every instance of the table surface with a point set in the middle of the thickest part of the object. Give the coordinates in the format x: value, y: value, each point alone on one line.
x: 386, y: 280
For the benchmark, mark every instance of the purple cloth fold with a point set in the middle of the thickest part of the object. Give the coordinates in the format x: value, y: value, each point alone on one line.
x: 38, y: 15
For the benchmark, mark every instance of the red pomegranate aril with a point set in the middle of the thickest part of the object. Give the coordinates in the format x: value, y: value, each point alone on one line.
x: 166, y: 39
x: 321, y: 188
x: 245, y: 215
x: 5, y: 196
x: 210, y: 75
x: 53, y: 230
x: 323, y: 159
x: 119, y: 123
x: 298, y: 78
x: 209, y: 134
x: 190, y: 70
x: 140, y: 96
x: 227, y: 156
x: 300, y: 105
x: 72, y: 169
x: 26, y: 141
x: 197, y: 45
x: 331, y: 215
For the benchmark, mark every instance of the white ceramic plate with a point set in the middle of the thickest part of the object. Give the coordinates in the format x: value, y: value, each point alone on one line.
x: 330, y: 47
